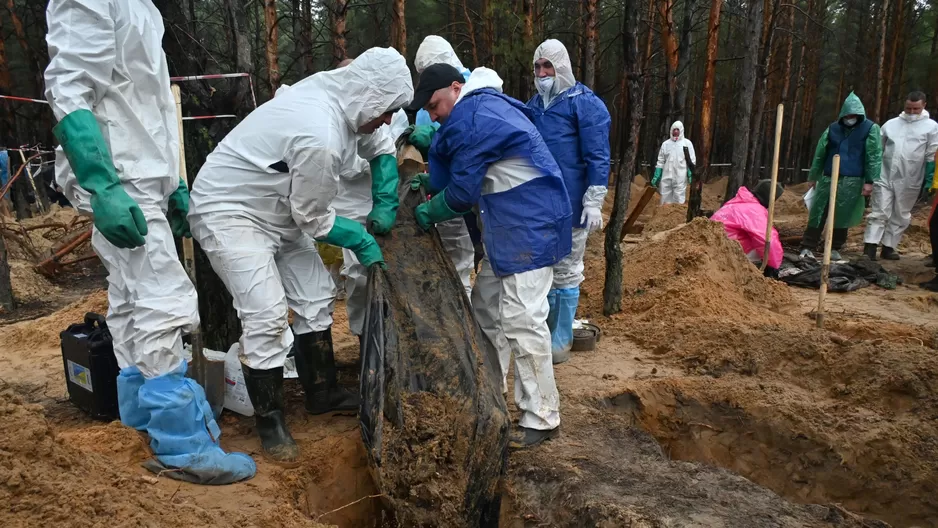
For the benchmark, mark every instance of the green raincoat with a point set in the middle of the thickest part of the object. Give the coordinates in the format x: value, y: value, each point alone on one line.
x: 850, y: 201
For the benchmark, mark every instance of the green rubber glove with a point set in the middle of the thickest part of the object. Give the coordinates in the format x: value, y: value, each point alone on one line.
x: 116, y: 215
x: 179, y: 210
x: 421, y: 138
x: 384, y: 180
x: 656, y: 179
x: 422, y: 180
x: 352, y: 236
x: 434, y: 211
x: 690, y: 176
x: 929, y: 174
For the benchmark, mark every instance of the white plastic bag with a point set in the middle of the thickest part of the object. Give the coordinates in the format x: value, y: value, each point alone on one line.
x: 236, y: 394
x: 809, y: 198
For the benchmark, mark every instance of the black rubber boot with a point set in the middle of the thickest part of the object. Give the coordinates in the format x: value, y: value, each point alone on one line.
x: 889, y: 253
x: 870, y: 251
x: 265, y: 387
x: 523, y: 437
x: 315, y: 366
x: 931, y: 285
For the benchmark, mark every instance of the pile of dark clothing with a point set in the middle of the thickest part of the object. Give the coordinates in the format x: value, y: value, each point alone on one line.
x: 844, y: 276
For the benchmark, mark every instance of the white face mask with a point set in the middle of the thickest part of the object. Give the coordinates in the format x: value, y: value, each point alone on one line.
x: 850, y: 121
x: 914, y: 117
x: 544, y: 85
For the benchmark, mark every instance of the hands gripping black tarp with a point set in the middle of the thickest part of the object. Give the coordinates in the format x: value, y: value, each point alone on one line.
x: 433, y: 418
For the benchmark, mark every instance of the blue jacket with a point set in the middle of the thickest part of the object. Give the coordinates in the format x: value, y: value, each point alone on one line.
x: 526, y: 227
x: 576, y: 129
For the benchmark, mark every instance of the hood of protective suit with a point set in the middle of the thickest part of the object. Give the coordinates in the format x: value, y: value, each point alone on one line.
x: 378, y: 81
x: 435, y: 50
x: 852, y: 105
x: 914, y: 117
x: 554, y: 51
x: 481, y: 78
x: 678, y: 125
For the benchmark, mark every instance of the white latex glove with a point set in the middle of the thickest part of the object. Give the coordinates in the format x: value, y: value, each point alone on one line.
x: 592, y: 218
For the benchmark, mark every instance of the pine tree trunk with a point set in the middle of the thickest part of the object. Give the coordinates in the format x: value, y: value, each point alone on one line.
x: 8, y: 134
x: 272, y: 44
x: 898, y: 38
x: 398, y: 27
x: 470, y: 28
x: 7, y: 303
x: 339, y: 44
x: 880, y: 66
x: 592, y: 42
x: 612, y: 288
x: 488, y: 33
x: 706, y: 103
x: 683, y: 74
x: 748, y: 73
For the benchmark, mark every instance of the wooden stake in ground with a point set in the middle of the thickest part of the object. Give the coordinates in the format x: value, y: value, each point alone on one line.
x: 779, y: 117
x: 828, y: 239
x: 199, y: 367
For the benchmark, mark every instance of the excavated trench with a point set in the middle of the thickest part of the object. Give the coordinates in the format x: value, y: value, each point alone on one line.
x: 768, y: 450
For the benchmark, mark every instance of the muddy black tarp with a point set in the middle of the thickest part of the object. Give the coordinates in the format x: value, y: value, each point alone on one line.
x: 844, y: 277
x: 433, y: 418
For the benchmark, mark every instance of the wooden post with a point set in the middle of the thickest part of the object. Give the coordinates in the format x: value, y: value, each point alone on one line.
x: 779, y: 116
x: 828, y: 239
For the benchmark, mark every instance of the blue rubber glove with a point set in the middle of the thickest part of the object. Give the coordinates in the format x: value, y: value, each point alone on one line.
x: 434, y: 211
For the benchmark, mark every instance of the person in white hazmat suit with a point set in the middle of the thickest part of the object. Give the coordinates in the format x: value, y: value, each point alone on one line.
x: 453, y: 233
x: 575, y: 125
x: 910, y: 142
x: 108, y: 85
x: 671, y: 172
x: 262, y: 198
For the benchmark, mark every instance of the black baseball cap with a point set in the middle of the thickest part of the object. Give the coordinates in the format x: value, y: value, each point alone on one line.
x: 432, y: 79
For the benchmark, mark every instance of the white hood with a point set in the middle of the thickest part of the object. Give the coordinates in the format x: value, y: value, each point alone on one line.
x: 678, y: 125
x: 911, y: 118
x: 481, y: 78
x: 554, y: 51
x: 436, y: 50
x: 378, y: 81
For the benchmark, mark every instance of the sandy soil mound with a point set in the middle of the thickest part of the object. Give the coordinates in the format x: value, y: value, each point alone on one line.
x: 28, y: 285
x: 44, y: 332
x: 46, y: 481
x: 790, y: 203
x: 666, y: 217
x: 697, y: 270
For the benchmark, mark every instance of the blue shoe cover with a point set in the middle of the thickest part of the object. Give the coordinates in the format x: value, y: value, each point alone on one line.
x: 129, y: 382
x: 564, y: 310
x: 184, y: 435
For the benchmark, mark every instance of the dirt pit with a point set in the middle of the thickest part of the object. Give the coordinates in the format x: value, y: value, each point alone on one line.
x: 711, y: 401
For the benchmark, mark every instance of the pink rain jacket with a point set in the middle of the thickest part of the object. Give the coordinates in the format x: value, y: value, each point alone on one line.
x: 745, y: 219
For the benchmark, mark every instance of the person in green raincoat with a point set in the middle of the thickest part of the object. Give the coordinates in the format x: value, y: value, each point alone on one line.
x: 859, y: 143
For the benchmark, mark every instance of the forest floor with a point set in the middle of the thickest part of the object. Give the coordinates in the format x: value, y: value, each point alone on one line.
x: 711, y: 400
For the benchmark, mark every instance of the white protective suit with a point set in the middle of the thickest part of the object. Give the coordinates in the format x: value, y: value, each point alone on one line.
x: 106, y: 56
x: 268, y: 190
x: 453, y: 233
x: 554, y: 51
x: 673, y: 184
x: 910, y: 142
x: 512, y: 310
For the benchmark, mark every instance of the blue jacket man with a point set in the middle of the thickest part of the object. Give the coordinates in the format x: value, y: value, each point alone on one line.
x: 488, y: 155
x: 575, y: 124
